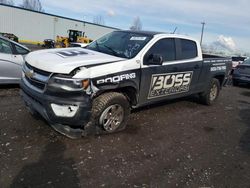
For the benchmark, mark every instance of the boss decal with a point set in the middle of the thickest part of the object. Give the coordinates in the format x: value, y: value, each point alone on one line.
x: 116, y: 79
x: 71, y: 53
x: 169, y: 84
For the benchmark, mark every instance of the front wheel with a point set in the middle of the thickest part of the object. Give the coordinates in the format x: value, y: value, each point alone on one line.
x: 110, y: 112
x: 209, y: 97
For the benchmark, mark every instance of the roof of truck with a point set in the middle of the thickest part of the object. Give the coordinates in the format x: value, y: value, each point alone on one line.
x: 157, y: 33
x: 149, y: 33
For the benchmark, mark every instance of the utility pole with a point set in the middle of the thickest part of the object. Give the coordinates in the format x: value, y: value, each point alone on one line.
x: 84, y: 24
x: 202, y: 30
x: 175, y: 30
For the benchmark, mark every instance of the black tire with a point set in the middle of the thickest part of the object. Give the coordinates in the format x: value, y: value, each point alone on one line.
x: 211, y: 94
x: 111, y: 104
x: 235, y: 83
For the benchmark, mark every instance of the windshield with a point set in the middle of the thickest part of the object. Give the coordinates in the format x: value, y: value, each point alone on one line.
x: 246, y: 61
x: 120, y: 44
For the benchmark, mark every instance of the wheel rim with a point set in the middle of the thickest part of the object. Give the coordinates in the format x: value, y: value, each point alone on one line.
x: 213, y: 92
x: 112, y: 117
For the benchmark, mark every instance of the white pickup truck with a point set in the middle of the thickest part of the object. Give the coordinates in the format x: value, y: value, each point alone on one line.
x: 82, y: 91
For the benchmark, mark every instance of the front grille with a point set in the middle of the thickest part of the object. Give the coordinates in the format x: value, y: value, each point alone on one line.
x: 35, y: 78
x: 36, y: 83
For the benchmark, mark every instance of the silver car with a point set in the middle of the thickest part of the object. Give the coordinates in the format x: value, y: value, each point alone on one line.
x: 11, y: 59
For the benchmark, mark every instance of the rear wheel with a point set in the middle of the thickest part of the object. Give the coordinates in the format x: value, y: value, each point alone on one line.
x: 209, y: 97
x: 110, y: 112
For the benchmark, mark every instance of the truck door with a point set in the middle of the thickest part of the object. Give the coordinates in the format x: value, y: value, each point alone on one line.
x: 170, y: 69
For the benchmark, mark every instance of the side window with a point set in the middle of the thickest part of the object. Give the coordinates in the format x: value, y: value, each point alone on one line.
x: 164, y: 48
x: 188, y: 49
x: 21, y: 50
x: 5, y: 47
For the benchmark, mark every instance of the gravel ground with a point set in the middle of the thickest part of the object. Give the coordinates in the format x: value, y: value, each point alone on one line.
x: 175, y: 144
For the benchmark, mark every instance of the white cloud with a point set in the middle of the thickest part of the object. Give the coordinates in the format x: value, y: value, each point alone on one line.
x: 222, y: 45
x: 226, y: 42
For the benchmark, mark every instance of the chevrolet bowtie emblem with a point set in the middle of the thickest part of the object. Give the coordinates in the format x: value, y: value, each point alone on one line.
x: 30, y: 74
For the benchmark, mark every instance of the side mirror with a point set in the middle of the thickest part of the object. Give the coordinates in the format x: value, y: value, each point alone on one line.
x: 155, y: 59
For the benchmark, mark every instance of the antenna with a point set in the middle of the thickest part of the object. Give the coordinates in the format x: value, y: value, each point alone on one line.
x: 202, y: 30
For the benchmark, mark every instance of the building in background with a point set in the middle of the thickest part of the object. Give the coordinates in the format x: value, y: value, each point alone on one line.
x: 33, y: 27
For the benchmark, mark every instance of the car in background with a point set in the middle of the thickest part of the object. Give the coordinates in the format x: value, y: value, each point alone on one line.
x: 241, y: 74
x: 237, y: 60
x: 49, y: 43
x: 11, y: 60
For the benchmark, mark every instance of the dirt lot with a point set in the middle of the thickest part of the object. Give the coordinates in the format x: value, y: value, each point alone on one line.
x: 175, y: 144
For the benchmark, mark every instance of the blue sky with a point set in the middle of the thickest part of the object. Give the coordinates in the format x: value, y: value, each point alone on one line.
x: 227, y: 21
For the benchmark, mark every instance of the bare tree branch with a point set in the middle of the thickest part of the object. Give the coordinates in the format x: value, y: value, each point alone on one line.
x: 32, y: 5
x: 7, y: 2
x: 137, y: 25
x: 99, y: 20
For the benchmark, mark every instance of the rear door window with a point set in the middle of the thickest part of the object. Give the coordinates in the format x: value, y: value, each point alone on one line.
x: 188, y: 49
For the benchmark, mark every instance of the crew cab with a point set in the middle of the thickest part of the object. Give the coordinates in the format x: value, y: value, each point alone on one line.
x: 91, y: 90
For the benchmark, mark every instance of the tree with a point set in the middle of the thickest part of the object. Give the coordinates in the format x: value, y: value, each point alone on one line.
x: 137, y: 25
x: 99, y: 20
x: 32, y: 5
x: 7, y: 2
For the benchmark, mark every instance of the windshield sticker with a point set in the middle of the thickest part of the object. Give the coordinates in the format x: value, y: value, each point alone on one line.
x: 169, y: 84
x: 138, y: 38
x: 131, y: 49
x: 70, y: 53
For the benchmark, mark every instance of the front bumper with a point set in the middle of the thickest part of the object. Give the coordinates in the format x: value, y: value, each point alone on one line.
x: 73, y: 126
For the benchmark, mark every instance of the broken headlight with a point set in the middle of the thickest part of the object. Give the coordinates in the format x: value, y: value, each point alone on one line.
x: 68, y: 84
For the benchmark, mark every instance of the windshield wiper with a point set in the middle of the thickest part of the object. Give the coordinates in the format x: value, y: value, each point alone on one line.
x: 111, y: 49
x: 97, y: 45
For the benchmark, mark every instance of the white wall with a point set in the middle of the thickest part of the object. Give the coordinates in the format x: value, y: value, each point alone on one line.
x: 29, y: 25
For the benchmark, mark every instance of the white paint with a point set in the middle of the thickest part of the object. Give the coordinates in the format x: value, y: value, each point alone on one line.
x: 49, y: 61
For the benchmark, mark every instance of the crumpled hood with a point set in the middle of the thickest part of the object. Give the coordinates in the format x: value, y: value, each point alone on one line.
x: 65, y: 60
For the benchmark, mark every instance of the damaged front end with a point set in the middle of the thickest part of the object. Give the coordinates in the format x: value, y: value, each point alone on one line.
x: 64, y: 101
